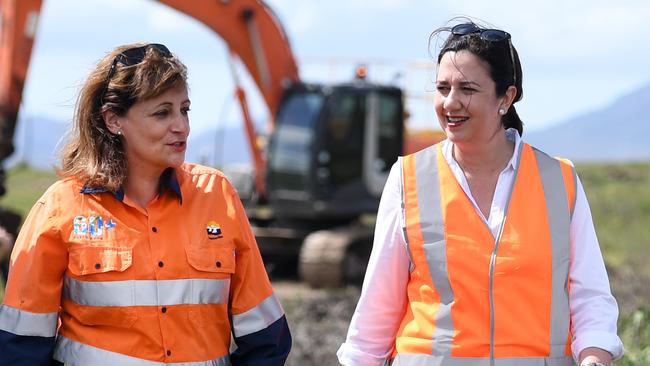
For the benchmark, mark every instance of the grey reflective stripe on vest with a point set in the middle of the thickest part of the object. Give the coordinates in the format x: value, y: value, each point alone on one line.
x: 405, y: 359
x: 400, y: 162
x: 433, y: 234
x: 75, y: 353
x: 559, y: 221
x: 147, y: 292
x: 257, y: 318
x: 26, y: 323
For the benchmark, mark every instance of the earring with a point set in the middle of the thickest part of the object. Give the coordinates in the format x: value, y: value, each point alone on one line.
x: 502, y: 111
x: 119, y: 133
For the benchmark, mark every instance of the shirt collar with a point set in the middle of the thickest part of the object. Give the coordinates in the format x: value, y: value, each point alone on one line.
x: 168, y: 181
x: 511, y: 134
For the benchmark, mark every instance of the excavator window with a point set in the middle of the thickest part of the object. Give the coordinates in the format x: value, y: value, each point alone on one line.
x: 291, y: 146
x: 389, y: 129
x: 344, y: 136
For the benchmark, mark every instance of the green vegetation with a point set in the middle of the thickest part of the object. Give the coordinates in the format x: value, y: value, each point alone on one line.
x: 619, y: 196
x: 634, y: 329
x: 24, y: 186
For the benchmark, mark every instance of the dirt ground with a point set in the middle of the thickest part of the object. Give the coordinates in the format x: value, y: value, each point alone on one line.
x: 318, y: 320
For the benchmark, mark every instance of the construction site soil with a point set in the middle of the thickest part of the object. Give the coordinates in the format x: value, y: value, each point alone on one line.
x: 318, y: 319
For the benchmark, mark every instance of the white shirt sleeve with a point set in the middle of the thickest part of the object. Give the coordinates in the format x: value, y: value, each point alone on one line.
x: 594, y: 311
x: 380, y: 309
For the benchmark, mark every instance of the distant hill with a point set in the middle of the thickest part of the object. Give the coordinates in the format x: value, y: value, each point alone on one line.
x: 218, y: 147
x: 38, y: 140
x: 617, y: 132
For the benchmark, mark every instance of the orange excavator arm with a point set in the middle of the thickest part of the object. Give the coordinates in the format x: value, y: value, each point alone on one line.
x: 253, y: 33
x: 18, y: 20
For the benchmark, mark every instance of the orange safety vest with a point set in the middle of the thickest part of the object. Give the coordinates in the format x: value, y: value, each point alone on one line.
x: 132, y: 287
x: 475, y: 299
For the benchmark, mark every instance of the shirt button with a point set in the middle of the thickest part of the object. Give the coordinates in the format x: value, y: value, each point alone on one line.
x: 161, y: 264
x: 154, y: 229
x: 164, y: 309
x: 218, y: 264
x: 169, y: 353
x: 98, y: 266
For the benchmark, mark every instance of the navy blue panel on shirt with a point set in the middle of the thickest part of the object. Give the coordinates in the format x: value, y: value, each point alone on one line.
x: 268, y: 347
x: 168, y: 180
x: 17, y: 350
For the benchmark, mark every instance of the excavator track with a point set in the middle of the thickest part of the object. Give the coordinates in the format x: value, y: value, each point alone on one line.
x: 336, y: 257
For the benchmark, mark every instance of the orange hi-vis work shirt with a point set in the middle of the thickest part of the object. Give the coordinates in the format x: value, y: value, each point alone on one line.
x: 477, y: 300
x: 132, y: 286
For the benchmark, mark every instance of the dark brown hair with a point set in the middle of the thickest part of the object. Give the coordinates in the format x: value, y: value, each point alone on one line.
x: 498, y: 57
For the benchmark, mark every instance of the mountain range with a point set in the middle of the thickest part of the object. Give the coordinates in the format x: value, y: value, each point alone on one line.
x: 617, y: 132
x: 614, y: 133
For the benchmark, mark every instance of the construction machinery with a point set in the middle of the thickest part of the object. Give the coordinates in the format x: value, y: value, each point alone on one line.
x: 317, y: 182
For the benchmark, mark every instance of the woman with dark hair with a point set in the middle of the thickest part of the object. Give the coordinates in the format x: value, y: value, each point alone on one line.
x: 485, y: 251
x: 135, y: 257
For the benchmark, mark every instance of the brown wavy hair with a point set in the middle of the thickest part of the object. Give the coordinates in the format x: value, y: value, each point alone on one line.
x: 92, y: 153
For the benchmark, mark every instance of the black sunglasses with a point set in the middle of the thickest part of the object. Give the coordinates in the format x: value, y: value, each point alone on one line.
x: 490, y: 35
x: 133, y: 56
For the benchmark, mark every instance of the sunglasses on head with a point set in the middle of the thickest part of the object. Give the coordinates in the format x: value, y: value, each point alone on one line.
x: 133, y: 56
x: 490, y: 35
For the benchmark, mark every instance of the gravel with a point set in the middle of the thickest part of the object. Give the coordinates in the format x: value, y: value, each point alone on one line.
x: 318, y: 319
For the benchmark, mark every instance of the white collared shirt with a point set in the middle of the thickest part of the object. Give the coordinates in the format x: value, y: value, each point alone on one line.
x: 380, y: 309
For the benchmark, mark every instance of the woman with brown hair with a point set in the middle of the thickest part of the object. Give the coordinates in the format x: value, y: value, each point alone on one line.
x: 135, y: 257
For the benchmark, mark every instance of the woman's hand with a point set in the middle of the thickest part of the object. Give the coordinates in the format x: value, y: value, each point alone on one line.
x: 6, y: 242
x: 593, y: 354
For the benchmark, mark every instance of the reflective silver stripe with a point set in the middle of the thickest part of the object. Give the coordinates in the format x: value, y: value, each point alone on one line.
x: 400, y: 161
x: 147, y: 292
x: 428, y: 188
x: 26, y: 323
x: 433, y: 234
x: 257, y: 318
x: 75, y: 353
x: 429, y: 360
x: 559, y: 221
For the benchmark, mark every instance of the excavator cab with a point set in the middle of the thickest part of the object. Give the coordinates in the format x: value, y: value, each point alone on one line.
x: 332, y: 149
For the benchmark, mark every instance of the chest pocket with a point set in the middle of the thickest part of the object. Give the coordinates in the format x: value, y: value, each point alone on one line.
x: 216, y: 257
x: 87, y: 260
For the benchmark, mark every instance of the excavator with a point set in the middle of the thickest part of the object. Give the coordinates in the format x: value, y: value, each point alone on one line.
x: 316, y: 183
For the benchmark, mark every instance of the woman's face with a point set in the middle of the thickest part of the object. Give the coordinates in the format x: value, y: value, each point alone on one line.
x: 465, y: 100
x: 155, y: 131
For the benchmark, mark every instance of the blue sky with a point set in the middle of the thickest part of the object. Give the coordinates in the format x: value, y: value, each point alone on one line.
x: 577, y: 55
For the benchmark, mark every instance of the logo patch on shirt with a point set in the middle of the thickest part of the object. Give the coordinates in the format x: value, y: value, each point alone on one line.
x: 214, y: 230
x: 96, y: 226
x: 91, y: 226
x: 80, y: 225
